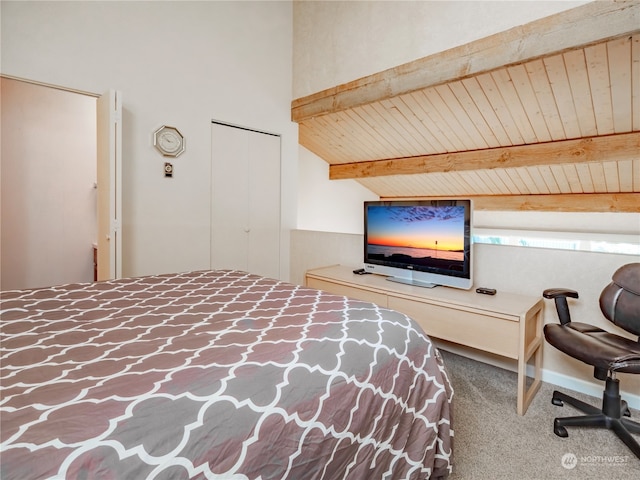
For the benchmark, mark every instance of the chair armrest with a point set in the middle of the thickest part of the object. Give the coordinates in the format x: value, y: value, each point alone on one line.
x: 559, y: 292
x: 629, y: 362
x: 562, y: 307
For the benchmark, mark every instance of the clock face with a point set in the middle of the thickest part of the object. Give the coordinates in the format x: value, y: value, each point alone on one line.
x: 169, y: 141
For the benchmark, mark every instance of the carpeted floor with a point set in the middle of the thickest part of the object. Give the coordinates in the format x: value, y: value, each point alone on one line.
x: 492, y: 442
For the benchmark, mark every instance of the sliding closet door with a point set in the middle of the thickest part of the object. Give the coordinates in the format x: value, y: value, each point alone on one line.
x: 264, y: 202
x: 230, y: 192
x: 245, y: 200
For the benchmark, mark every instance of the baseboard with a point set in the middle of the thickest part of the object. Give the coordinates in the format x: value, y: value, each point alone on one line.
x: 588, y: 388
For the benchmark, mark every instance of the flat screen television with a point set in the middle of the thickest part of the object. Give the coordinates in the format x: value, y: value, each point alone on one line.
x: 422, y: 242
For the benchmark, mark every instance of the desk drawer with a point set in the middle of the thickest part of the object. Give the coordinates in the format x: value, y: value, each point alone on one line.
x: 347, y: 291
x: 478, y: 330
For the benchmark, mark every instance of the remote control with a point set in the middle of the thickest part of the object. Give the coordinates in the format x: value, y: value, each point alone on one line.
x: 360, y: 271
x: 486, y: 291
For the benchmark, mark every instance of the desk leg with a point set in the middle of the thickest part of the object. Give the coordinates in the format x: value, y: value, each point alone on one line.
x: 530, y: 347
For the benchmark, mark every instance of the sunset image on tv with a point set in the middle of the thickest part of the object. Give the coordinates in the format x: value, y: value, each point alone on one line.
x: 429, y: 235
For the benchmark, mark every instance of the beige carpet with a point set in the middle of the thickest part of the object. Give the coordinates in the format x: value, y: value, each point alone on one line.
x: 492, y: 442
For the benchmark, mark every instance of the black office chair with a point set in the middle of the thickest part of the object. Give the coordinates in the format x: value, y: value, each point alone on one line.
x: 607, y: 352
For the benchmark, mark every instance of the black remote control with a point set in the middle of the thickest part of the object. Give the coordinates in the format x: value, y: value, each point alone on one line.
x: 486, y: 291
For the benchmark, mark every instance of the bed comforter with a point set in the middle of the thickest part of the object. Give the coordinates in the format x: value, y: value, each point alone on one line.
x: 216, y: 375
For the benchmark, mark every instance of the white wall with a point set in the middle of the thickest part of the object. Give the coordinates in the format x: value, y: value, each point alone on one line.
x: 340, y: 41
x: 328, y: 205
x: 177, y: 63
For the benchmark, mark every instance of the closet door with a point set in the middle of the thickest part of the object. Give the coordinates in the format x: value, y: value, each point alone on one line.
x: 230, y: 191
x: 264, y: 204
x: 245, y: 200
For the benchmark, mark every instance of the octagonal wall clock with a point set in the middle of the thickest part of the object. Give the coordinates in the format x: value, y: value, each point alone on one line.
x: 169, y: 141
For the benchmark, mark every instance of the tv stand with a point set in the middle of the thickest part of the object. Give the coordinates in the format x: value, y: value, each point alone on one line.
x: 412, y: 281
x: 504, y: 324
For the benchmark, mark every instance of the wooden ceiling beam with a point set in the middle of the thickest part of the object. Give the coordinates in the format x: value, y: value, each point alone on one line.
x: 568, y: 202
x: 593, y: 149
x: 581, y: 26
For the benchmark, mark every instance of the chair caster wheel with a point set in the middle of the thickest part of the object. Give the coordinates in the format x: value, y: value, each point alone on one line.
x: 557, y: 402
x: 624, y: 408
x: 560, y: 431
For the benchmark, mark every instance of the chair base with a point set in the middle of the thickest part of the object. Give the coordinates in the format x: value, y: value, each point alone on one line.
x: 611, y: 416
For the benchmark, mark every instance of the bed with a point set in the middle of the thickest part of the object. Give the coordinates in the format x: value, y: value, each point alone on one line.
x: 216, y: 375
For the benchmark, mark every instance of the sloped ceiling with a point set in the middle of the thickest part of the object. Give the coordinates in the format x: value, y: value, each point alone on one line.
x: 545, y: 116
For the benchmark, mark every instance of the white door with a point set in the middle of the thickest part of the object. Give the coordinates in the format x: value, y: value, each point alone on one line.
x: 245, y: 200
x: 109, y: 173
x: 264, y: 205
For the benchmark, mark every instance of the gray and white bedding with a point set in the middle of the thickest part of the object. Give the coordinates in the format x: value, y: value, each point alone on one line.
x: 216, y: 375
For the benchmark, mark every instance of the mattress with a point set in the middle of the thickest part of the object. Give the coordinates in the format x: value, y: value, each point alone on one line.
x: 216, y: 375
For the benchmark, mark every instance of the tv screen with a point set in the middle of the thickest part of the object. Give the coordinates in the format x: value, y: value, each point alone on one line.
x: 425, y: 242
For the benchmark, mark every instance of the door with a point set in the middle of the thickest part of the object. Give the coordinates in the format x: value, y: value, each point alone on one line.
x: 245, y: 200
x: 109, y: 174
x: 263, y: 248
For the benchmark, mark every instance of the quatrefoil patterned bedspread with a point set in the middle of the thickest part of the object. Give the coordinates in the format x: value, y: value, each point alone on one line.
x: 216, y: 375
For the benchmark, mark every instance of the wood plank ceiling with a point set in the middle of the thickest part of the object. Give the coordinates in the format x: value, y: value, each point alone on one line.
x: 547, y: 124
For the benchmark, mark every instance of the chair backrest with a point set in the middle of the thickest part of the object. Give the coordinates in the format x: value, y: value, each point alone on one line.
x: 620, y: 300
